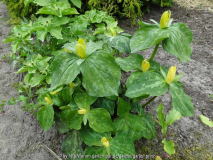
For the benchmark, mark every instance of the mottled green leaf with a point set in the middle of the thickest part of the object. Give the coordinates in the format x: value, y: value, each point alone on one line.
x: 100, y: 120
x: 135, y: 122
x: 150, y: 83
x: 107, y: 104
x: 134, y: 75
x: 61, y: 126
x: 161, y: 118
x: 45, y: 117
x: 104, y: 80
x: 147, y: 36
x: 90, y: 137
x: 64, y: 68
x: 72, y: 145
x: 36, y: 79
x: 83, y: 100
x: 95, y: 153
x: 133, y: 62
x: 150, y: 130
x: 180, y: 100
x: 121, y: 43
x: 123, y: 107
x: 168, y: 146
x: 178, y: 44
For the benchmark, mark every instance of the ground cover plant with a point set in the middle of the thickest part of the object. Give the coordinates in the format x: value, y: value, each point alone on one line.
x: 73, y: 69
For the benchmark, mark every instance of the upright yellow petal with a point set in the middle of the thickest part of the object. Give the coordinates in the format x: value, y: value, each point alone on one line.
x: 165, y: 18
x: 80, y: 49
x: 171, y: 74
x: 145, y: 65
x: 105, y: 142
x: 72, y: 85
x: 82, y: 111
x: 158, y: 158
x: 48, y: 100
x: 54, y: 92
x: 81, y: 41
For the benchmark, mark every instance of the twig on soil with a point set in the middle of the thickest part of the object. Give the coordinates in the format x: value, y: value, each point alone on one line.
x: 53, y: 153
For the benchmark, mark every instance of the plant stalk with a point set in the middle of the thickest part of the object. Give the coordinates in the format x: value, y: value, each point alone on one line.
x: 155, y: 51
x: 152, y: 99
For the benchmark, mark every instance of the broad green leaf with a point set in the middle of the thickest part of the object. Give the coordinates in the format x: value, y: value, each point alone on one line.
x: 83, y: 100
x: 181, y: 102
x: 12, y: 101
x: 23, y: 69
x: 168, y: 146
x: 27, y: 78
x: 100, y: 120
x: 77, y: 3
x: 72, y: 145
x: 96, y: 153
x: 137, y: 107
x: 66, y: 94
x: 41, y: 34
x: 56, y: 32
x: 172, y: 116
x: 104, y: 80
x: 45, y: 117
x: 14, y: 46
x: 122, y: 144
x: 135, y: 135
x: 161, y: 118
x: 72, y: 118
x: 24, y: 99
x: 90, y: 137
x: 121, y: 43
x: 150, y: 131
x: 134, y: 75
x: 64, y: 68
x: 61, y: 126
x: 133, y: 62
x: 150, y: 83
x: 178, y: 44
x: 123, y: 107
x: 107, y: 104
x: 92, y: 47
x: 135, y: 122
x: 147, y: 37
x: 206, y: 121
x: 36, y: 79
x: 119, y: 124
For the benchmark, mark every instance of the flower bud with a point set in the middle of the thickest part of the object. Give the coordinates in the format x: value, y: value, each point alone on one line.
x: 72, y: 85
x: 165, y: 18
x: 54, y: 92
x: 171, y: 74
x: 145, y: 65
x: 48, y: 100
x: 82, y: 111
x: 105, y: 142
x: 81, y: 48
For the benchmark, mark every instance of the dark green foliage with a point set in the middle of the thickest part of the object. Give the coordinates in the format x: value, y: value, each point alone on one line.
x: 17, y: 10
x: 163, y: 3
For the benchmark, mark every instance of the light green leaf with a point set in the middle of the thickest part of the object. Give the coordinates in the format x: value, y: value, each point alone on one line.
x: 206, y: 121
x: 123, y: 107
x: 83, y: 100
x: 72, y: 145
x: 36, y: 79
x: 77, y: 3
x: 178, y: 44
x: 14, y: 46
x: 150, y: 83
x: 134, y: 75
x: 24, y: 99
x: 23, y: 69
x: 181, y: 102
x: 90, y: 137
x: 122, y: 144
x: 64, y: 68
x: 27, y: 78
x: 172, y: 116
x: 161, y: 118
x: 147, y: 37
x: 56, y: 32
x: 104, y: 80
x: 41, y: 34
x: 119, y: 124
x: 45, y: 117
x: 168, y: 146
x: 100, y: 120
x: 133, y: 62
x: 12, y: 101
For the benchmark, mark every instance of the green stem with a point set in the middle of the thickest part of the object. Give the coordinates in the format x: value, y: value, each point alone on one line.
x: 152, y: 99
x: 119, y: 54
x: 155, y: 51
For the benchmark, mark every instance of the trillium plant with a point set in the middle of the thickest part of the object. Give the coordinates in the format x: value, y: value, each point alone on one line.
x: 72, y: 66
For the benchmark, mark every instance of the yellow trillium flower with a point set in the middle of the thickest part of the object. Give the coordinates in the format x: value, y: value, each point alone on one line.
x: 72, y: 85
x: 48, y: 100
x: 145, y: 65
x: 81, y: 48
x: 82, y: 111
x: 54, y: 92
x: 105, y: 142
x: 158, y: 158
x: 171, y: 74
x: 165, y: 18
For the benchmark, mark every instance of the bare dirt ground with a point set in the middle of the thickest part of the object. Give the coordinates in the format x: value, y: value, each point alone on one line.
x: 19, y: 134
